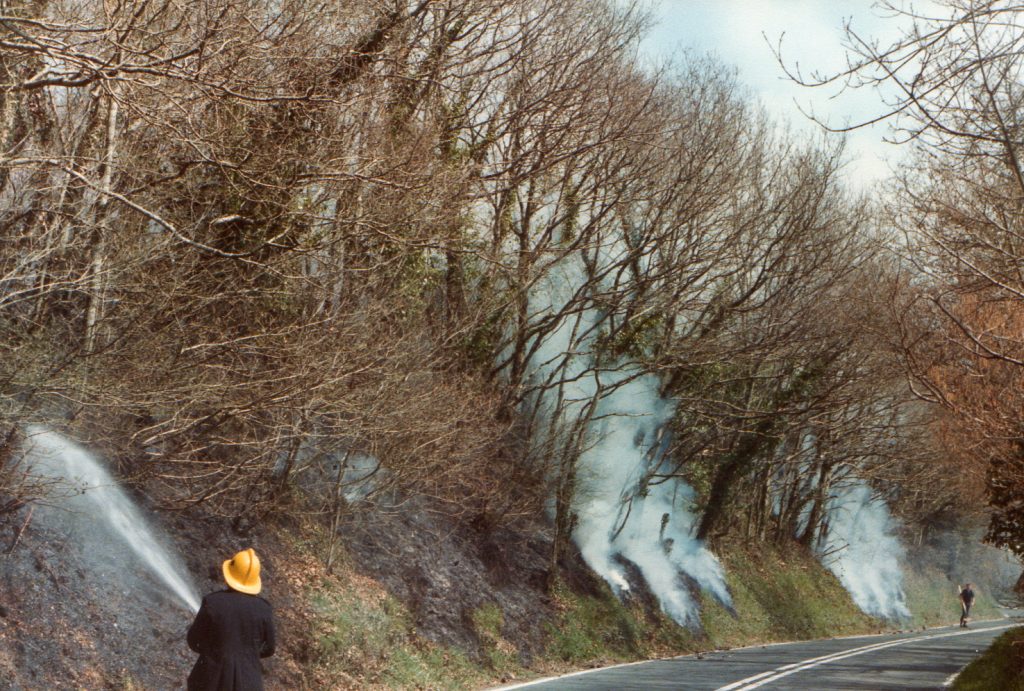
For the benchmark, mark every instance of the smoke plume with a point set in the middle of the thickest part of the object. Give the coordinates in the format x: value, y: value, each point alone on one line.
x: 861, y: 548
x: 619, y: 513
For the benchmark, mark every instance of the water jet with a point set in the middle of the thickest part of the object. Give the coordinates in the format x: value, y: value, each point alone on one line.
x: 98, y: 506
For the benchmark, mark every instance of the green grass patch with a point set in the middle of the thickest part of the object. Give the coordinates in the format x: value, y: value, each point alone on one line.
x: 779, y: 596
x: 601, y: 629
x: 488, y: 621
x: 1000, y: 667
x: 592, y: 629
x: 367, y: 639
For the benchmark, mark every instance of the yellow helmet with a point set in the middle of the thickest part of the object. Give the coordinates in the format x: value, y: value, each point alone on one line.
x: 242, y: 572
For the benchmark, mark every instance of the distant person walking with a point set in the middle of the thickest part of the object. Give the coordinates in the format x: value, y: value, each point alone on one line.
x: 232, y: 631
x: 966, y: 600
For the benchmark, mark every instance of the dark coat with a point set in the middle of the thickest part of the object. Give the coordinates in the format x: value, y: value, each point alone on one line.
x: 231, y: 632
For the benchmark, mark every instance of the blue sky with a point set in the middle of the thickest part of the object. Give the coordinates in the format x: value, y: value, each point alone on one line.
x: 812, y: 37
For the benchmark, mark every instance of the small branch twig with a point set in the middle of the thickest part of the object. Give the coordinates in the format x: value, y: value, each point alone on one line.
x: 21, y: 530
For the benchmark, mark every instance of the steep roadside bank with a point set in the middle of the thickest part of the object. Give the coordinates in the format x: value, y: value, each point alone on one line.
x: 415, y: 600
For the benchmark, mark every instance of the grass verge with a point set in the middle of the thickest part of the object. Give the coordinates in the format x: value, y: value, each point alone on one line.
x: 1000, y: 667
x: 365, y: 639
x: 780, y: 595
x: 598, y: 630
x: 360, y: 637
x: 776, y: 596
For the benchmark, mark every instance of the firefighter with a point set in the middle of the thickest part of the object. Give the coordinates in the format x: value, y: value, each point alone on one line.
x: 232, y: 631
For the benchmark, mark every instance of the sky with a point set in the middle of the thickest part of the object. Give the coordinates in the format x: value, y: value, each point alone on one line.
x: 741, y: 33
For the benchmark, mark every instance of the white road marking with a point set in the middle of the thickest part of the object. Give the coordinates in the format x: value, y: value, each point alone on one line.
x: 567, y: 676
x: 817, y: 660
x: 770, y: 676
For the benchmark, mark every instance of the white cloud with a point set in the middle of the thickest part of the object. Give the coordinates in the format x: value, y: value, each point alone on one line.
x: 742, y: 33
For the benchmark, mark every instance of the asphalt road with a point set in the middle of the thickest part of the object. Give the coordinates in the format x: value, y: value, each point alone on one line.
x: 918, y: 660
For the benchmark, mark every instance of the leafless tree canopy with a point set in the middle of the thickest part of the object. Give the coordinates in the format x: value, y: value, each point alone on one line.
x: 953, y: 91
x: 241, y: 235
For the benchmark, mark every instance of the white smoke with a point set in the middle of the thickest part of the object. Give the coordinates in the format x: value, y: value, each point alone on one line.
x: 861, y: 548
x: 342, y: 472
x: 619, y: 514
x: 361, y: 475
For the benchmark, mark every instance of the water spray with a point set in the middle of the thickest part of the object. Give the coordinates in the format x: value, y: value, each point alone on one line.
x: 106, y: 506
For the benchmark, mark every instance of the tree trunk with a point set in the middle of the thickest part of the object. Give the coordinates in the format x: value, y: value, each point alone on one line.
x: 97, y: 283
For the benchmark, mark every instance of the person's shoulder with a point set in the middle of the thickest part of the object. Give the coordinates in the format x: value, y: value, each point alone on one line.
x: 229, y: 595
x: 246, y: 597
x: 216, y: 596
x: 255, y: 604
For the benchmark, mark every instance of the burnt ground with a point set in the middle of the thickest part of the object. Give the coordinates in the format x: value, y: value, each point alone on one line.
x: 71, y: 620
x: 444, y: 571
x: 67, y: 625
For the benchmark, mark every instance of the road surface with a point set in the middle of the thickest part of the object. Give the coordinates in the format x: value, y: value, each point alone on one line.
x: 919, y: 660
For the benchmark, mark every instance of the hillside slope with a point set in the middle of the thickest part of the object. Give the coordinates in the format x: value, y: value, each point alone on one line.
x: 414, y: 601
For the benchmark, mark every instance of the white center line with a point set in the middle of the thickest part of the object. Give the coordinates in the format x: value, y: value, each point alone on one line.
x: 770, y: 676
